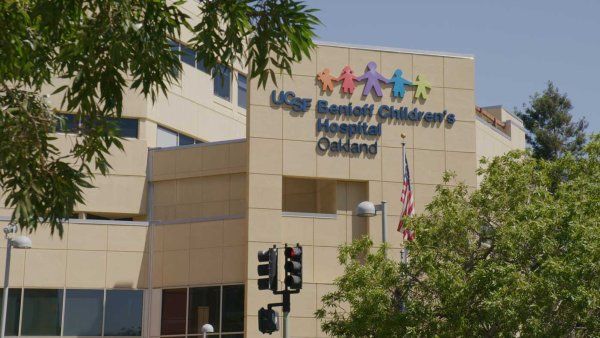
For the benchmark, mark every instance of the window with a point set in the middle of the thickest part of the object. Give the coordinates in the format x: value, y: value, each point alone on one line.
x: 242, y: 91
x: 205, y: 304
x: 42, y: 309
x: 233, y: 308
x: 107, y: 218
x: 174, y: 45
x: 222, y: 83
x: 185, y: 140
x: 67, y: 123
x: 83, y: 312
x: 188, y: 56
x: 126, y: 127
x: 123, y: 315
x: 169, y: 138
x: 173, y: 311
x: 200, y: 65
x: 166, y: 137
x: 220, y: 306
x: 13, y: 307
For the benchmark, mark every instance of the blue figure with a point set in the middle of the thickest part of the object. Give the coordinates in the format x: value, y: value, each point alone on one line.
x: 373, y: 78
x: 399, y: 83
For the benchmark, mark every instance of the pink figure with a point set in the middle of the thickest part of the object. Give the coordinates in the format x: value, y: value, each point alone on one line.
x: 348, y: 77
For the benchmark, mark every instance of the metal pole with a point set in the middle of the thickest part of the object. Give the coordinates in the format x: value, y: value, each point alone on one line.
x: 405, y: 249
x: 286, y: 331
x: 5, y: 291
x: 384, y: 224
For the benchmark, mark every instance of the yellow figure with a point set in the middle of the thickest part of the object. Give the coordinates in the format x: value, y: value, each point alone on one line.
x: 423, y: 88
x: 326, y: 80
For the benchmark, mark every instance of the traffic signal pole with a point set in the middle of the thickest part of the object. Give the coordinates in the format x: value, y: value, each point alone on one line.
x: 286, y: 314
x: 292, y: 281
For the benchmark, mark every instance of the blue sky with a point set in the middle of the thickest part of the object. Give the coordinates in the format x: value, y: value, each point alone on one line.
x: 518, y: 45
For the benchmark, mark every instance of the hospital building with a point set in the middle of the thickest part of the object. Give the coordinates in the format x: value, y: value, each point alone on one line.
x: 221, y: 168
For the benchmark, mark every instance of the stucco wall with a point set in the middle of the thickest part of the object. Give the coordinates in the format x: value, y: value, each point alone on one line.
x: 283, y: 143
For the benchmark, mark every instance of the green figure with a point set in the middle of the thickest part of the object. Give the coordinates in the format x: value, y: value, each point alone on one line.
x: 423, y: 88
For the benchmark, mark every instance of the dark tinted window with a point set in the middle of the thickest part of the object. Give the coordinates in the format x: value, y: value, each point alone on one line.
x: 67, y: 123
x: 42, y: 312
x: 93, y: 216
x: 174, y: 45
x: 13, y: 307
x: 185, y: 140
x: 173, y: 311
x: 126, y: 127
x: 83, y: 312
x: 188, y: 56
x: 200, y: 65
x: 123, y: 315
x: 204, y: 308
x: 242, y: 90
x: 222, y: 83
x: 233, y: 308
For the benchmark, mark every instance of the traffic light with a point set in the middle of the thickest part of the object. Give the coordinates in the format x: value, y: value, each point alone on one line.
x: 268, y: 320
x: 269, y: 269
x: 293, y: 267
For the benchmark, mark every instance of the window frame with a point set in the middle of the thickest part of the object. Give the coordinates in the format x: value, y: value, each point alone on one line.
x: 245, y: 86
x: 72, y: 125
x: 218, y: 331
x: 177, y: 137
x: 61, y: 304
x: 102, y: 310
x: 217, y: 78
x: 62, y: 312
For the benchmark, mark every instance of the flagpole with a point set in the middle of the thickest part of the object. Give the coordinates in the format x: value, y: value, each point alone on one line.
x: 405, y: 249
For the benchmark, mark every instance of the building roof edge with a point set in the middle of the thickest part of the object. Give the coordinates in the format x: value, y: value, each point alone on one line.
x: 392, y: 49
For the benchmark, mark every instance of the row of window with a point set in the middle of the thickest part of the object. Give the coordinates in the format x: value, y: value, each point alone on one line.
x: 222, y: 79
x: 170, y: 138
x: 185, y: 310
x: 74, y: 312
x: 125, y: 127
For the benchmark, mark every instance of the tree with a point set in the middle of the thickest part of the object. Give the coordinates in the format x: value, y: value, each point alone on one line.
x: 519, y: 256
x: 101, y: 48
x: 550, y: 126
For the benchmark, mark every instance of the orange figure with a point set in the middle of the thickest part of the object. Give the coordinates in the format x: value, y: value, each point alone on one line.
x: 348, y: 77
x: 326, y: 80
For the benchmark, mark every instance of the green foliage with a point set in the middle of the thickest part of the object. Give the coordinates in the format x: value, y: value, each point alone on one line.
x: 550, y: 126
x: 266, y: 36
x: 101, y: 48
x: 519, y: 256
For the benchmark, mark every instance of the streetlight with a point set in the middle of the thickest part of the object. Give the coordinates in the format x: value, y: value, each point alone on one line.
x: 207, y: 328
x: 19, y: 242
x: 368, y: 209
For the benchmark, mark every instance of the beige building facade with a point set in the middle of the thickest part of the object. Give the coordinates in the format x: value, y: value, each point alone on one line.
x: 169, y: 240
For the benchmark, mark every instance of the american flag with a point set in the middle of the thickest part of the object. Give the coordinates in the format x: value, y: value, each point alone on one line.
x: 408, y: 203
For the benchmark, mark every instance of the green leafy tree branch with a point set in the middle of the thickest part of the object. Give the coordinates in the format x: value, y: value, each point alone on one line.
x: 519, y: 256
x: 102, y: 48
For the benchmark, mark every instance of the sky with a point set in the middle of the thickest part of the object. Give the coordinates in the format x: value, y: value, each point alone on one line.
x: 519, y: 45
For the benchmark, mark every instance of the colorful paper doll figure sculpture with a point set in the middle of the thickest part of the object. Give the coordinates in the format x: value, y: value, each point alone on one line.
x: 326, y: 80
x: 423, y: 87
x: 347, y: 77
x: 399, y: 83
x: 373, y: 78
